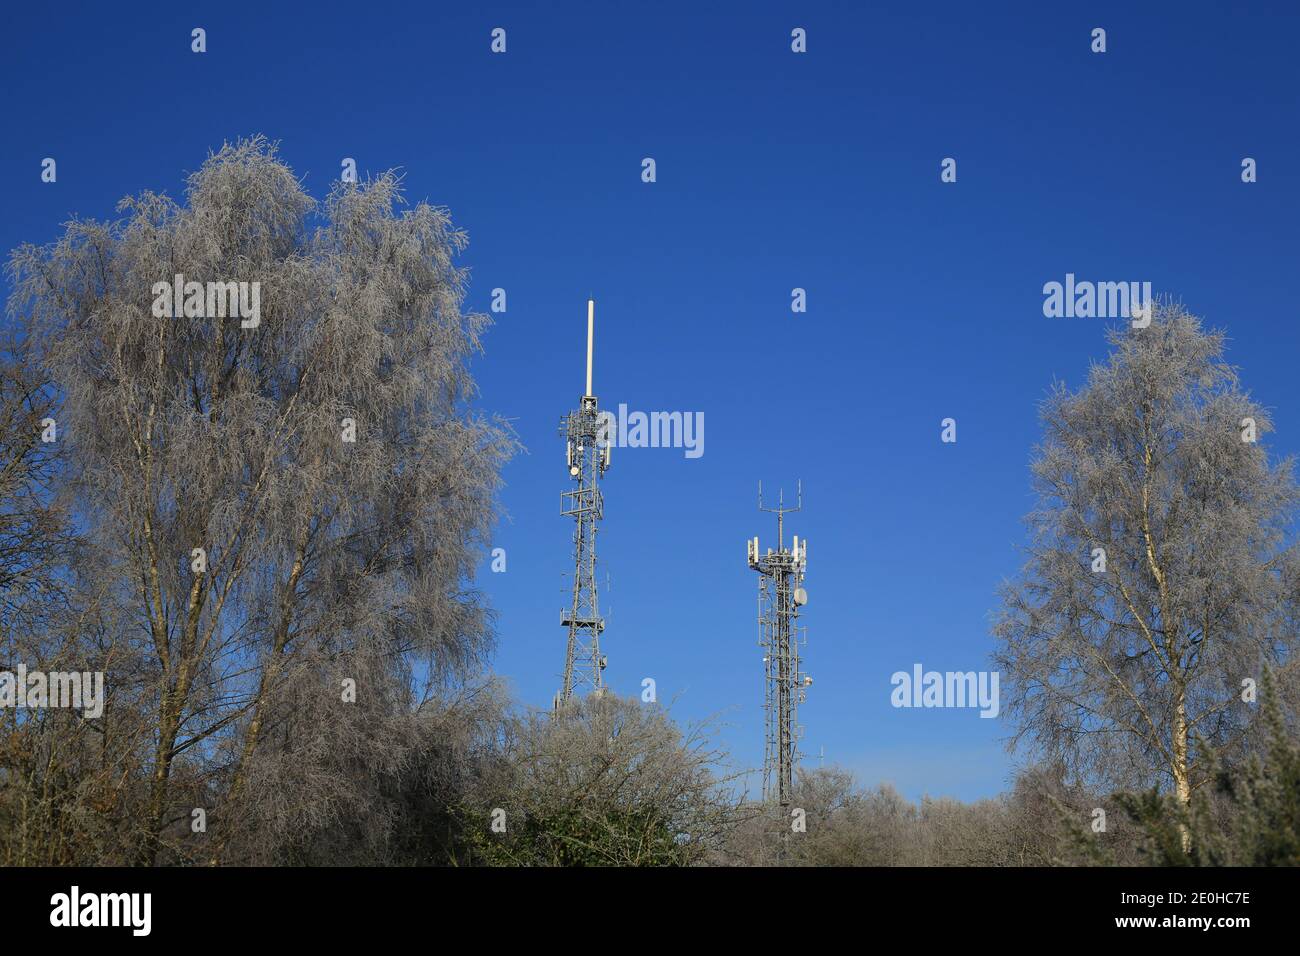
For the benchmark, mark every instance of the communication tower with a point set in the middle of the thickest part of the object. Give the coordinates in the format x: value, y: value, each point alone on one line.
x: 587, y: 456
x: 780, y: 596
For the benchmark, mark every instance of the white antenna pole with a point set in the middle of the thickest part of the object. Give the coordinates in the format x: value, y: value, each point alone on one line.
x: 591, y: 329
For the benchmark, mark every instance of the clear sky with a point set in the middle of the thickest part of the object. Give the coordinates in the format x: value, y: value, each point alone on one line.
x: 775, y: 170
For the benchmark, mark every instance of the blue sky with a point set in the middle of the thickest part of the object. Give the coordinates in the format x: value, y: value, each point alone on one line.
x: 774, y: 171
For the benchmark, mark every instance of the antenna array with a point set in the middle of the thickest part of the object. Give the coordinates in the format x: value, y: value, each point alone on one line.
x: 780, y: 595
x: 587, y: 455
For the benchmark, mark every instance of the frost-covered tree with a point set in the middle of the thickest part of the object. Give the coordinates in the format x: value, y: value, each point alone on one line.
x: 1161, y: 570
x: 274, y: 499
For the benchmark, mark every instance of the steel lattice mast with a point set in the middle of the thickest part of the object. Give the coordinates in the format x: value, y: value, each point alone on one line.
x: 587, y: 455
x: 780, y: 595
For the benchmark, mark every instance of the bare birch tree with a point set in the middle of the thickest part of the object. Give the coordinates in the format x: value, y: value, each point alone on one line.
x: 274, y: 498
x: 1160, y: 575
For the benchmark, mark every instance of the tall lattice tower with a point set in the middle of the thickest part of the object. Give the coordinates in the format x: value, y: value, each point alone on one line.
x: 587, y: 455
x: 780, y: 595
